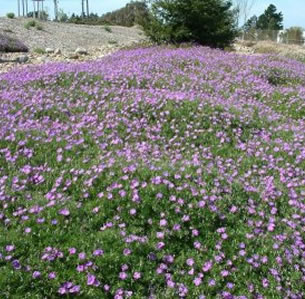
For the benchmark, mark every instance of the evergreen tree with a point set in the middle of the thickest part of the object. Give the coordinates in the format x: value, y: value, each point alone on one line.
x: 270, y: 19
x: 207, y: 22
x: 250, y: 24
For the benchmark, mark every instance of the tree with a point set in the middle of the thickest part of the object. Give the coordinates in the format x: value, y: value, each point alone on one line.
x: 55, y: 9
x: 62, y: 16
x: 207, y: 22
x: 250, y: 24
x: 270, y: 19
x: 243, y: 7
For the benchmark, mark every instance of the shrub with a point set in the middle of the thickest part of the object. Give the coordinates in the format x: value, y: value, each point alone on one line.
x: 112, y: 42
x: 207, y: 22
x: 10, y: 15
x: 39, y: 27
x: 9, y: 44
x: 108, y: 29
x: 39, y: 51
x: 29, y: 24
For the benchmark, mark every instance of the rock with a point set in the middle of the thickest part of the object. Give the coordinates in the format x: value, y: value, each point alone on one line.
x: 49, y: 50
x: 42, y: 59
x: 22, y: 59
x: 57, y: 51
x: 81, y: 51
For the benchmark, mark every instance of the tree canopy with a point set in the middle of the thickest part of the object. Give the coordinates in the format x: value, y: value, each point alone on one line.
x: 207, y: 22
x: 270, y: 19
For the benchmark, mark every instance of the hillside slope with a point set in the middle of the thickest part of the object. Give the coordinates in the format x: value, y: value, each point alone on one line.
x: 68, y: 37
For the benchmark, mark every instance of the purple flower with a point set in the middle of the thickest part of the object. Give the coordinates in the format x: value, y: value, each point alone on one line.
x: 92, y: 281
x: 64, y: 212
x: 197, y: 281
x: 9, y: 248
x: 72, y: 250
x: 16, y: 264
x: 36, y: 274
x: 123, y: 275
x: 82, y: 255
x: 137, y: 275
x: 52, y: 275
x: 98, y: 252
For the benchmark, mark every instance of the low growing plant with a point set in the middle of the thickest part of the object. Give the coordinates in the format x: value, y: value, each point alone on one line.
x: 39, y: 51
x: 107, y: 29
x: 29, y: 24
x: 9, y: 44
x: 10, y: 15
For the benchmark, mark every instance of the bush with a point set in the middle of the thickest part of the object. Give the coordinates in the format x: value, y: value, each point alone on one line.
x: 108, y: 29
x: 30, y: 24
x: 9, y: 44
x: 207, y: 22
x: 39, y: 27
x: 10, y: 15
x: 39, y: 51
x: 112, y: 42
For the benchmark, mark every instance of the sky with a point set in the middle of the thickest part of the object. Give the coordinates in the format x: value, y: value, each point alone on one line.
x: 293, y: 10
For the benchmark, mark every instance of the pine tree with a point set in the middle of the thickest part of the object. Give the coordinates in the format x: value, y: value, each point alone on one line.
x: 270, y: 19
x: 207, y: 22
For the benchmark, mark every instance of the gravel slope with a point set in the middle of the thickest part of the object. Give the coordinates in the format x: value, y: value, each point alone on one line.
x: 68, y: 37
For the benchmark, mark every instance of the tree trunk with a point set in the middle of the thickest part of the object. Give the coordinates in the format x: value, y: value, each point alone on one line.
x: 38, y: 9
x: 55, y: 10
x: 26, y: 7
x: 83, y: 8
x: 87, y: 4
x: 18, y: 3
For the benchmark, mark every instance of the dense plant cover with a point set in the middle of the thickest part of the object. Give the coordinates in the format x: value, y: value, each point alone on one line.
x: 10, y: 44
x: 166, y: 172
x: 205, y: 22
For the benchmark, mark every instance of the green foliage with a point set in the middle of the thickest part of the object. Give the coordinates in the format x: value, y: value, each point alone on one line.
x: 62, y: 16
x: 39, y: 27
x: 107, y: 29
x: 133, y: 13
x: 207, y: 22
x: 43, y: 15
x: 10, y: 15
x: 250, y: 24
x: 270, y: 19
x: 112, y: 42
x: 39, y: 51
x: 33, y: 24
x: 29, y: 24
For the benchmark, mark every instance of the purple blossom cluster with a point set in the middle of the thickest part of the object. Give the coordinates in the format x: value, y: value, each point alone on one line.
x: 10, y: 44
x: 154, y: 173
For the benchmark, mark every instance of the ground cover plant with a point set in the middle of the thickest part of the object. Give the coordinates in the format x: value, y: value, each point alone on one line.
x: 10, y: 44
x: 157, y: 172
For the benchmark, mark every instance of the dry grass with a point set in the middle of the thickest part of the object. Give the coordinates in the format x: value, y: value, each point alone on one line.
x: 269, y: 47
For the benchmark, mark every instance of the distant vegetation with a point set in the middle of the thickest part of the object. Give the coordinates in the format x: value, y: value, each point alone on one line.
x: 33, y: 24
x: 269, y: 20
x: 10, y: 15
x: 133, y: 13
